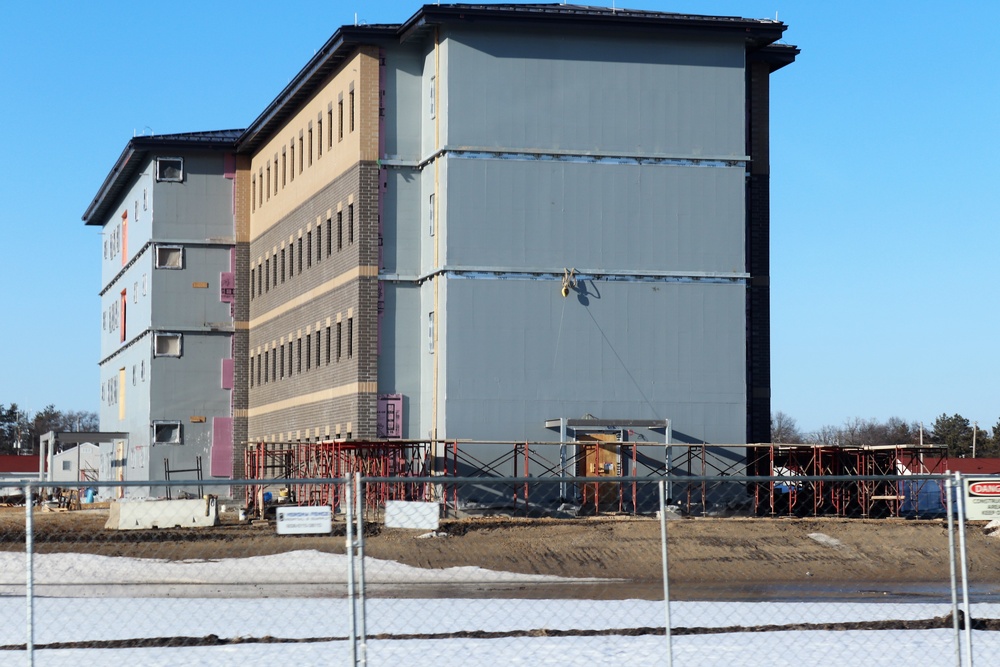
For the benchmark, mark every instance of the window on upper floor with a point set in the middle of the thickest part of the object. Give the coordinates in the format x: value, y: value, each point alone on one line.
x: 351, y: 104
x: 350, y: 224
x: 169, y: 257
x: 340, y: 118
x: 433, y: 99
x: 170, y: 169
x: 350, y: 337
x: 167, y: 344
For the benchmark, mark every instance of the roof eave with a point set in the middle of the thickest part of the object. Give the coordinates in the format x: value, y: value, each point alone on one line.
x: 336, y: 49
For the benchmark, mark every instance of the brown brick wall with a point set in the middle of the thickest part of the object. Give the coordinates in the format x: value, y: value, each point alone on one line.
x: 301, y: 416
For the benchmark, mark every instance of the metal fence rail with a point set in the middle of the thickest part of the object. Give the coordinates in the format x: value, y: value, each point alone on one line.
x: 409, y: 576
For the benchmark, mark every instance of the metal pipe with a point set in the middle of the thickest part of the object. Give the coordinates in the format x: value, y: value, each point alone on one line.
x: 965, y: 569
x: 360, y: 542
x: 949, y: 486
x: 29, y: 550
x: 666, y: 578
x: 351, y: 597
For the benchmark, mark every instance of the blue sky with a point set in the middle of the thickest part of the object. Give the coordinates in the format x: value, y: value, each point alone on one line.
x: 883, y: 231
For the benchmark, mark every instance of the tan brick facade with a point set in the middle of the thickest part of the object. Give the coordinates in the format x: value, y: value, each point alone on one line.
x: 313, y: 264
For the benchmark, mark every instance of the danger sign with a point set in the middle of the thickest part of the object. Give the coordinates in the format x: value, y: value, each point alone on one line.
x: 982, y: 499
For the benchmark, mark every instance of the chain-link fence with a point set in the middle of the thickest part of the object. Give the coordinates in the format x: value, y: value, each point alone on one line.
x: 469, y: 571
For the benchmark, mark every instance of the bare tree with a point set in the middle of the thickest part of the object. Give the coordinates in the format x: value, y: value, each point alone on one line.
x: 784, y: 430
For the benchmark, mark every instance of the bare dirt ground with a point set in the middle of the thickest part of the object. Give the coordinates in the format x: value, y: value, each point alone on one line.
x: 716, y: 557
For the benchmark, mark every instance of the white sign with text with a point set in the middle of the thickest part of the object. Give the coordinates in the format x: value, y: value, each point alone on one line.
x: 305, y: 520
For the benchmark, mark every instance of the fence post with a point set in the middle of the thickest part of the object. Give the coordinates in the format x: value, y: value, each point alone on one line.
x: 666, y: 579
x: 29, y: 590
x: 949, y: 487
x: 360, y: 542
x: 965, y: 568
x: 348, y: 506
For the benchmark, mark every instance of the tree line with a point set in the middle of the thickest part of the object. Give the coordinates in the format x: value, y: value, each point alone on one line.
x: 962, y: 437
x: 20, y: 430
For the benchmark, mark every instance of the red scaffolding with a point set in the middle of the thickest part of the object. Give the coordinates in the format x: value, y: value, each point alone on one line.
x: 859, y: 497
x: 306, y: 467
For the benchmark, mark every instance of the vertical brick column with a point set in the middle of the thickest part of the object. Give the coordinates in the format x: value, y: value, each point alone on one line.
x: 758, y: 221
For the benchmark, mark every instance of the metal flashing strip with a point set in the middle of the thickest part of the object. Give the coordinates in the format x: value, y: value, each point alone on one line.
x: 495, y: 273
x: 203, y: 243
x: 556, y: 155
x: 208, y: 330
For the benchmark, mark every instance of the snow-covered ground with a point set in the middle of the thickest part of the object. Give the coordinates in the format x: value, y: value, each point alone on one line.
x: 80, y: 617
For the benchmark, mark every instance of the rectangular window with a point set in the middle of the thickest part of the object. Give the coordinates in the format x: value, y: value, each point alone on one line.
x: 309, y: 249
x: 260, y: 282
x: 260, y: 190
x: 319, y: 136
x: 338, y: 341
x: 145, y: 200
x: 170, y: 169
x: 289, y: 358
x: 282, y: 265
x: 266, y: 365
x: 308, y: 351
x: 258, y: 369
x: 319, y: 242
x: 284, y: 168
x: 281, y: 362
x: 124, y: 302
x: 430, y: 332
x: 291, y: 160
x: 298, y: 355
x: 275, y: 174
x: 433, y: 99
x: 167, y: 433
x: 310, y: 144
x: 253, y: 193
x: 329, y: 125
x: 340, y: 230
x: 274, y: 265
x: 302, y: 152
x: 351, y: 101
x: 350, y: 224
x: 169, y: 257
x: 274, y: 365
x: 251, y: 370
x: 167, y: 345
x: 300, y: 255
x: 291, y: 260
x: 350, y: 337
x: 268, y: 181
x: 328, y: 346
x: 253, y: 272
x: 340, y: 119
x: 319, y: 338
x: 329, y: 237
x: 267, y: 274
x: 430, y: 217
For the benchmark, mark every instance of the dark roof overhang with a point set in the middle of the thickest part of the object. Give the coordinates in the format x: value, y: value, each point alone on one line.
x: 337, y: 49
x: 776, y: 55
x: 132, y: 158
x: 756, y: 32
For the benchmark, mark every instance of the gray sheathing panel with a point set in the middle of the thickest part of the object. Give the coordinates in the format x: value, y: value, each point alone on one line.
x: 172, y: 398
x: 403, y: 93
x: 596, y: 92
x: 550, y: 215
x: 403, y: 343
x: 199, y: 207
x: 403, y: 202
x: 177, y: 303
x: 518, y: 354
